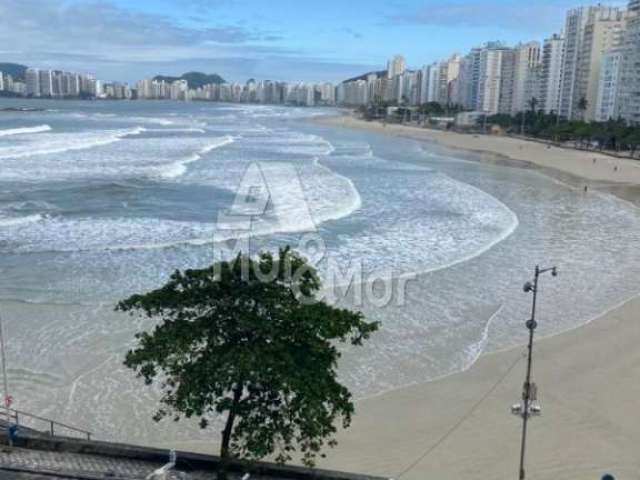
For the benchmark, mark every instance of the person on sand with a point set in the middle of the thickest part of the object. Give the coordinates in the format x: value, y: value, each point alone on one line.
x: 586, y: 189
x: 608, y: 477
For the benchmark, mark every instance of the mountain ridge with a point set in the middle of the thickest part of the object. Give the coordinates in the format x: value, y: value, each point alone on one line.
x: 194, y: 79
x: 16, y: 70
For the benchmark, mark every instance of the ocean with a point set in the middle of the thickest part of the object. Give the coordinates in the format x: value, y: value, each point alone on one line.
x: 100, y: 200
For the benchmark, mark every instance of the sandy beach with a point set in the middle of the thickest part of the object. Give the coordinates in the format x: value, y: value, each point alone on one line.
x: 460, y: 427
x: 619, y: 176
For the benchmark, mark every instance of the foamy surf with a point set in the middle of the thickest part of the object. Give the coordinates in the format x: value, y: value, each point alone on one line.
x: 15, y: 221
x: 25, y: 130
x: 47, y: 144
x: 179, y: 168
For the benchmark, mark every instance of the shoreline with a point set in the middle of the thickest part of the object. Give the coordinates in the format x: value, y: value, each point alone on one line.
x: 459, y: 425
x: 617, y: 176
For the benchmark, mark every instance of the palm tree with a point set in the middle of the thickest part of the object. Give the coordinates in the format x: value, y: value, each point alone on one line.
x: 583, y: 104
x: 532, y: 103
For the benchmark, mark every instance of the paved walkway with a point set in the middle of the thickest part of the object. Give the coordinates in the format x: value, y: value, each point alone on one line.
x: 74, y: 464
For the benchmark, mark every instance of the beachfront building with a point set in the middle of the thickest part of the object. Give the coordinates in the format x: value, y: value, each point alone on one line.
x: 609, y: 85
x: 32, y: 77
x: 469, y: 79
x: 526, y: 64
x: 552, y: 62
x: 603, y: 33
x: 589, y: 33
x: 507, y: 81
x: 448, y: 73
x: 433, y: 90
x: 45, y: 77
x: 490, y: 78
x: 396, y: 66
x: 629, y: 93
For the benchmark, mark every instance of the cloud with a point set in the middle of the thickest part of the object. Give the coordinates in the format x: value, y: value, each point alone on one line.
x: 532, y: 16
x: 123, y: 44
x: 98, y: 22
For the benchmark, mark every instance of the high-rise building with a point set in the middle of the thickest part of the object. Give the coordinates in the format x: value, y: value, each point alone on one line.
x: 396, y: 66
x: 434, y: 83
x: 608, y: 86
x: 424, y: 84
x: 526, y: 64
x: 1, y: 81
x: 32, y: 78
x: 629, y: 92
x: 507, y: 82
x: 602, y: 33
x: 589, y: 32
x: 490, y: 81
x: 469, y: 79
x: 552, y: 62
x: 46, y: 83
x: 447, y: 77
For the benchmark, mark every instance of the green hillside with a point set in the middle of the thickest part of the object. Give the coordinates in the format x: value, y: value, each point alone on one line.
x: 194, y: 79
x: 16, y: 70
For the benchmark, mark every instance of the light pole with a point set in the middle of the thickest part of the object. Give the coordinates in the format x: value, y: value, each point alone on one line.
x: 530, y: 407
x: 5, y: 384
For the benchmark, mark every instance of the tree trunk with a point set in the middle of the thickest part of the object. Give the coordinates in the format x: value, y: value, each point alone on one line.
x: 225, y: 454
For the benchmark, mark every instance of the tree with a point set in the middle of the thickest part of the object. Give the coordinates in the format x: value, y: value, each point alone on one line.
x: 247, y: 340
x: 583, y: 104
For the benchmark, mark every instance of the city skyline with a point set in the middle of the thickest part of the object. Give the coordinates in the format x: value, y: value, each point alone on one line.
x: 120, y: 40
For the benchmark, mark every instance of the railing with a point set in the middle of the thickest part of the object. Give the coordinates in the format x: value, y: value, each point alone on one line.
x: 16, y: 416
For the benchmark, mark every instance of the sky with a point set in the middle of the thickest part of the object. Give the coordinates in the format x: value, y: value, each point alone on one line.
x: 291, y: 40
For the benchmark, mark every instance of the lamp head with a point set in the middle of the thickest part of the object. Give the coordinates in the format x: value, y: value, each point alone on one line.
x: 554, y: 272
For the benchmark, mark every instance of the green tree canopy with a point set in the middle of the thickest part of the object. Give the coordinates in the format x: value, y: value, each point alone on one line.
x: 243, y: 340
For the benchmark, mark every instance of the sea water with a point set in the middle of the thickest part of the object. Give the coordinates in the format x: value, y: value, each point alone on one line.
x: 100, y: 200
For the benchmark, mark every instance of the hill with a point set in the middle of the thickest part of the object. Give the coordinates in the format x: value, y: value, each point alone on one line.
x: 16, y: 70
x: 194, y: 79
x: 379, y: 74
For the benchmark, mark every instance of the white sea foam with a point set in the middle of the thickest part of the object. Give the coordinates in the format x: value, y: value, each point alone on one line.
x: 24, y: 130
x: 49, y: 143
x: 177, y: 130
x: 179, y: 167
x: 15, y: 221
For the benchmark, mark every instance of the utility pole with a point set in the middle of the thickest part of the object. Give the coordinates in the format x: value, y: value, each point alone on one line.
x: 7, y: 397
x: 529, y: 407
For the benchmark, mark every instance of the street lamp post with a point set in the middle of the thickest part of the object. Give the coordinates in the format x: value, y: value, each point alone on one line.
x: 5, y: 384
x: 530, y: 407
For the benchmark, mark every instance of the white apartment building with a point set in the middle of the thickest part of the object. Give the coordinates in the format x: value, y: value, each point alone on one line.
x: 33, y: 82
x: 433, y: 83
x: 46, y: 83
x: 552, y: 62
x: 608, y: 86
x: 526, y: 62
x: 490, y: 83
x: 603, y: 33
x: 629, y: 93
x: 449, y: 71
x: 396, y: 66
x: 589, y: 32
